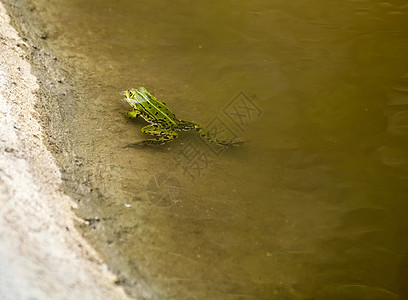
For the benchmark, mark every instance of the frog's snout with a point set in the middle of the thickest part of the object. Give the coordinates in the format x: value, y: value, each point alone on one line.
x: 126, y: 94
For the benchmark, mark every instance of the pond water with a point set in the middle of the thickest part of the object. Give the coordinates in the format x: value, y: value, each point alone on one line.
x: 313, y: 205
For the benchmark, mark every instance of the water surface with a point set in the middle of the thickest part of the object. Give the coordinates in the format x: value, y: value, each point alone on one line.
x: 312, y: 205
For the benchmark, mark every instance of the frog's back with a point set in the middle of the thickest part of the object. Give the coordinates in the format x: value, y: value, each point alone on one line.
x: 156, y: 110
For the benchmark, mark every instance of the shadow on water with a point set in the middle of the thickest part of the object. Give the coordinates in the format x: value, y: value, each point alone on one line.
x: 311, y: 206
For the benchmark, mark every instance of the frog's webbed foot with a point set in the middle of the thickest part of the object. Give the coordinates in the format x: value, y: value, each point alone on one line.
x: 232, y: 143
x: 148, y: 142
x: 213, y: 139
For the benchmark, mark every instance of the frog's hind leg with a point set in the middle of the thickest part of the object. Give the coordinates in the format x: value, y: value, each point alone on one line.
x: 164, y: 135
x: 211, y: 138
x: 186, y: 126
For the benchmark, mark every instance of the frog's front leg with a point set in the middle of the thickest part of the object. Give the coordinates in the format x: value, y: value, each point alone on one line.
x: 133, y: 114
x: 165, y: 135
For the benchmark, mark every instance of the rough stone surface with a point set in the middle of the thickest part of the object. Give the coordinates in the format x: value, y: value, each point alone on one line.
x: 42, y: 256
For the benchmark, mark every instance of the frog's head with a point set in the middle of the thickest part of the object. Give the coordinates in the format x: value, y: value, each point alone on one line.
x: 134, y: 96
x: 130, y: 96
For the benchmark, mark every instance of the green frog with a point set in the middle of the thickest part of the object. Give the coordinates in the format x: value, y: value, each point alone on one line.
x: 163, y: 122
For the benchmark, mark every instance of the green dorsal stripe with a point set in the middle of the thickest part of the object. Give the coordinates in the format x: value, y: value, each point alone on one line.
x: 152, y: 104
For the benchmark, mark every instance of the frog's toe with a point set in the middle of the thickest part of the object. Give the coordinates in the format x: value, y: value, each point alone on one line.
x: 142, y: 144
x: 152, y: 142
x: 232, y: 143
x: 237, y: 142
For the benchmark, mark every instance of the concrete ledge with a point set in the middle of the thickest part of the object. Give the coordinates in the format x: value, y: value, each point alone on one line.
x: 42, y: 256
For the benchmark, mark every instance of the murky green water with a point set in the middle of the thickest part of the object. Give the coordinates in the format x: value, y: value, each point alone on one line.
x: 312, y: 206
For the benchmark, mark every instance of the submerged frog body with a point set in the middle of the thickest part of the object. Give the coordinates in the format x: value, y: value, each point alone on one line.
x: 163, y: 122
